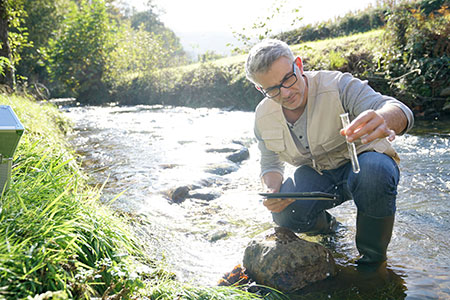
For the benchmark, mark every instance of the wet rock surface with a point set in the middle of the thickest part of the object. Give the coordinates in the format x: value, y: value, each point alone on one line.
x: 222, y: 169
x: 239, y: 156
x: 238, y: 151
x: 280, y: 259
x: 179, y: 194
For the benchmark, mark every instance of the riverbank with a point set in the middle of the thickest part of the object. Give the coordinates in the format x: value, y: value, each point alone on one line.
x: 57, y: 238
x: 222, y: 83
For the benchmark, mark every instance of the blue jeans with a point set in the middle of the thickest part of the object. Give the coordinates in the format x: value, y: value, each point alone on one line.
x: 373, y: 189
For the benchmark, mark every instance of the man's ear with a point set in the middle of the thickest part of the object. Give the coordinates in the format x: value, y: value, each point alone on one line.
x: 299, y: 63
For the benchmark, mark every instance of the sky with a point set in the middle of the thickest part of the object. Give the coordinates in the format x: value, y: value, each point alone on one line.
x: 208, y: 24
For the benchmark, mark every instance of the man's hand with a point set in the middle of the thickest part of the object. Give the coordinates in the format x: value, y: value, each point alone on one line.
x: 272, y: 181
x: 369, y: 126
x: 276, y: 204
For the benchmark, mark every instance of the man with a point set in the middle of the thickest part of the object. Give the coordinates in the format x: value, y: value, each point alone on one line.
x: 298, y: 122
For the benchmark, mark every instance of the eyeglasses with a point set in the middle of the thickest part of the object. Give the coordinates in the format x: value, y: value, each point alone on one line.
x: 287, y: 82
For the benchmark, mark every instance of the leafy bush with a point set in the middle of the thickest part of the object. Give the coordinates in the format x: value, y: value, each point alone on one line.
x: 77, y: 56
x: 417, y: 54
x: 353, y: 22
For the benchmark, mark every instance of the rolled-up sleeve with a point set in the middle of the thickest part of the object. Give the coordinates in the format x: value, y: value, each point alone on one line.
x: 357, y: 96
x: 270, y: 161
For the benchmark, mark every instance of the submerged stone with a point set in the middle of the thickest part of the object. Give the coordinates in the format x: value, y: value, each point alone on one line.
x: 179, y: 194
x: 221, y: 169
x: 279, y: 259
x: 239, y: 156
x: 205, y: 196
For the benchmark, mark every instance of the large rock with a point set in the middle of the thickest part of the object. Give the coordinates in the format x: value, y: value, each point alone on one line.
x: 280, y: 259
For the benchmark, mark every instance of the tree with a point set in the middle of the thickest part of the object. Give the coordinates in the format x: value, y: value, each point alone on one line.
x: 43, y: 21
x: 149, y: 21
x: 77, y: 57
x: 6, y: 66
x: 137, y: 52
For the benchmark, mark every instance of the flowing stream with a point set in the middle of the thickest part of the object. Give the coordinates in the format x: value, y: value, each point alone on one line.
x: 147, y: 152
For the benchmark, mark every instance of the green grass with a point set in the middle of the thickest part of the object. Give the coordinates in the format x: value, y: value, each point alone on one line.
x: 360, y: 42
x: 54, y: 236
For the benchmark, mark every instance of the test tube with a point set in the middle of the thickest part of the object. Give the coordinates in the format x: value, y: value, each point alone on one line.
x: 350, y: 146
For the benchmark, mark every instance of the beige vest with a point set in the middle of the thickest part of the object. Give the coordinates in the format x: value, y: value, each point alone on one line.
x: 328, y: 148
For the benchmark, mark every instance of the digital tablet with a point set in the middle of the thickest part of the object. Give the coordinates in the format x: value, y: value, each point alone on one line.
x: 302, y: 196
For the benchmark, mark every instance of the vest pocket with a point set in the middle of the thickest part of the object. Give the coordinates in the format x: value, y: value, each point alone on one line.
x: 334, y: 143
x: 273, y: 139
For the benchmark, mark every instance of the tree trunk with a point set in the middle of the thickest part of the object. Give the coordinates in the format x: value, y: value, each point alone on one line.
x: 8, y: 77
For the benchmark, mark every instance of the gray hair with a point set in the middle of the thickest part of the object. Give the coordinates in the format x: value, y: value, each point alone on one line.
x: 263, y: 55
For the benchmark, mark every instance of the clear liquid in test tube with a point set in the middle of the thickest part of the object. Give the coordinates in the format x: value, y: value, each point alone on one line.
x: 351, y: 146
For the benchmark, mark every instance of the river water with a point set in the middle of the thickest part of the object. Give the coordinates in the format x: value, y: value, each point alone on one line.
x: 148, y: 151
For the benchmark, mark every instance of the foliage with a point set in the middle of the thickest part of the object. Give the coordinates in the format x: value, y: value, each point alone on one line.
x: 54, y: 236
x: 13, y: 39
x: 351, y: 23
x: 354, y: 54
x: 5, y: 63
x: 17, y: 35
x: 97, y: 49
x: 149, y: 21
x: 417, y: 56
x: 209, y: 55
x: 136, y: 52
x: 262, y: 27
x: 43, y: 20
x: 77, y: 56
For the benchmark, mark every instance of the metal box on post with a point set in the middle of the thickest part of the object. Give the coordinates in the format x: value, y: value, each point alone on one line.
x: 10, y: 132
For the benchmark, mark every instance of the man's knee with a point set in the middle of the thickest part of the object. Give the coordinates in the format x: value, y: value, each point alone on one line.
x: 379, y: 164
x: 374, y: 189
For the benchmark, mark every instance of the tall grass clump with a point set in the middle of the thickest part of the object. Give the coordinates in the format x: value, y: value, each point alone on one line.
x: 54, y: 236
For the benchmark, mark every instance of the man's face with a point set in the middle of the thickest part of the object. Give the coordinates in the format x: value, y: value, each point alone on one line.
x: 291, y: 98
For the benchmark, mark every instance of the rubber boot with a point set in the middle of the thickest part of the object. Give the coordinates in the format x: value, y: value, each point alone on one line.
x: 372, y: 237
x: 325, y: 224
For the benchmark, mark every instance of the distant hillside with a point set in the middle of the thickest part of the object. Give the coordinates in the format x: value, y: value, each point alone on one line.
x: 222, y: 83
x: 355, y: 22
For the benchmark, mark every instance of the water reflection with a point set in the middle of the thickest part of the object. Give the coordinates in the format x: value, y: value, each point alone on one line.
x: 352, y: 282
x: 150, y: 150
